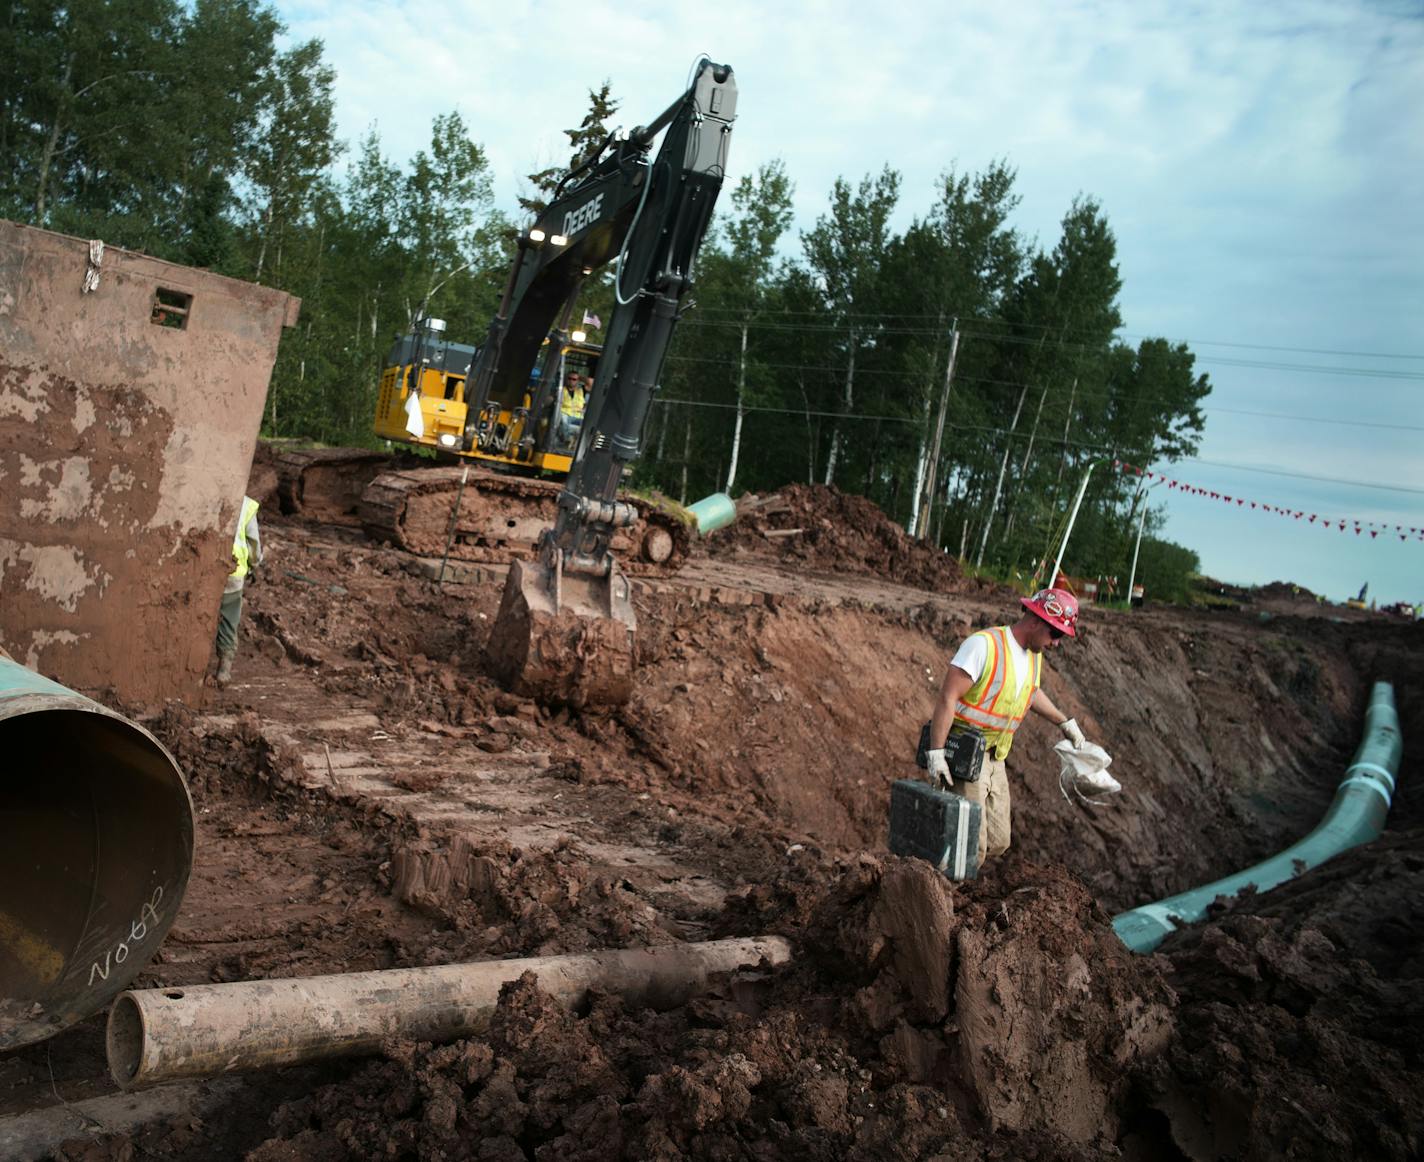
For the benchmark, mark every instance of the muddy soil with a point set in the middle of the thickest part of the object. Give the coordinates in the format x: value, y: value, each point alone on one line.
x: 368, y: 797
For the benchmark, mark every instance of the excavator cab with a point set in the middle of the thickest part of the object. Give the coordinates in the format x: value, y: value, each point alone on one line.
x: 534, y: 429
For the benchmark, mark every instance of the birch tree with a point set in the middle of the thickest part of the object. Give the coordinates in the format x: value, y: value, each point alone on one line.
x: 846, y: 250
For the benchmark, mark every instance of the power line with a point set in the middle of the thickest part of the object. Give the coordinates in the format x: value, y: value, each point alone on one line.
x: 1304, y: 476
x: 1271, y: 347
x: 1014, y: 434
x: 1056, y: 327
x: 1084, y: 393
x: 1028, y: 341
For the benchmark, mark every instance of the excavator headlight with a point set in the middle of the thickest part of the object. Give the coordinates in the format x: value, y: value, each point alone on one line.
x: 448, y: 440
x: 536, y: 235
x: 579, y: 336
x: 559, y: 240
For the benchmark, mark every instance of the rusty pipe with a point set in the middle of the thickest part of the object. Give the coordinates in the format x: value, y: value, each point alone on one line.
x: 96, y: 845
x: 158, y: 1035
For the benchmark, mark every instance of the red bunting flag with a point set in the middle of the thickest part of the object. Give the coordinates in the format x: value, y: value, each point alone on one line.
x: 1360, y: 526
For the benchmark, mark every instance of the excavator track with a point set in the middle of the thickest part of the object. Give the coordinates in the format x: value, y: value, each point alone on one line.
x: 501, y: 517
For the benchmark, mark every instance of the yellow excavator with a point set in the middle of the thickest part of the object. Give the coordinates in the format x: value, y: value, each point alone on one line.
x: 565, y: 627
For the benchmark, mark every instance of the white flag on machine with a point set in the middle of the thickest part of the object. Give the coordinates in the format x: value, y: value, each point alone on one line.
x: 591, y: 320
x: 414, y: 421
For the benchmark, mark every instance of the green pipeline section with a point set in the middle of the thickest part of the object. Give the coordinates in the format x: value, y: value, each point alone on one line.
x: 713, y: 512
x: 96, y: 843
x: 1356, y: 816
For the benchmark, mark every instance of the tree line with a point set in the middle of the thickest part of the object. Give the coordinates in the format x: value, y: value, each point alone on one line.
x: 952, y: 370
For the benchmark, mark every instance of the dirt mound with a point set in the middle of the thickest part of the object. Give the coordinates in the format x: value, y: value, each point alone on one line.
x: 1301, y: 1023
x: 1277, y: 589
x: 996, y: 1019
x: 821, y: 527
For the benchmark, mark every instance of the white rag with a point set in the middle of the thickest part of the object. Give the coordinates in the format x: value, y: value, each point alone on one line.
x: 414, y: 420
x: 1086, y: 768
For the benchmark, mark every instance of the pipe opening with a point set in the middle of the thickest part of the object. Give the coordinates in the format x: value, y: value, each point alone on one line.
x: 96, y: 843
x: 124, y: 1040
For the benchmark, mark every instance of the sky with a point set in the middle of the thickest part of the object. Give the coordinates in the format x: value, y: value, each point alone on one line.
x: 1261, y: 164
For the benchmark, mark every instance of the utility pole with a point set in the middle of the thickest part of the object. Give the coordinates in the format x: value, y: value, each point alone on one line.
x: 925, y: 500
x: 999, y: 485
x: 1072, y: 517
x: 741, y: 410
x: 1136, y: 545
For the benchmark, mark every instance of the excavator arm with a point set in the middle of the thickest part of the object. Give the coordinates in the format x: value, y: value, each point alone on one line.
x: 566, y: 626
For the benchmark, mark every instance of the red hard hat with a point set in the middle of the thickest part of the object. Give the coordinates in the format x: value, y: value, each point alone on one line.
x: 1058, y: 607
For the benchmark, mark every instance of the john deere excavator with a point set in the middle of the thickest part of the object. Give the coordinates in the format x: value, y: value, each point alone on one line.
x: 566, y: 625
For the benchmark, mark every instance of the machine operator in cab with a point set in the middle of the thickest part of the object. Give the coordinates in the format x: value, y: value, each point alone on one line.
x: 575, y: 404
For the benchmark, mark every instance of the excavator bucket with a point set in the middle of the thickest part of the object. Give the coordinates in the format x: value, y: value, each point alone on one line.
x: 564, y: 638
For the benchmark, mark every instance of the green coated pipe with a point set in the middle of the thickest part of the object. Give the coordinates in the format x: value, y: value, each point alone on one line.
x: 1356, y: 816
x: 713, y: 512
x: 96, y: 844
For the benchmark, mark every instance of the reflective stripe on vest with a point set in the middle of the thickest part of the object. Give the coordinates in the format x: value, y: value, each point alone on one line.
x: 992, y: 705
x: 240, y: 552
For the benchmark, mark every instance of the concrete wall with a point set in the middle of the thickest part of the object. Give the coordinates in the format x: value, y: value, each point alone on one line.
x: 124, y: 450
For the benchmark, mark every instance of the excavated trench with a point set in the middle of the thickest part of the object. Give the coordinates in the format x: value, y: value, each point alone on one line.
x: 366, y: 797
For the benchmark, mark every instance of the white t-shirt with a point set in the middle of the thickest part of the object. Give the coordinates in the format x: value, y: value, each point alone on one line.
x: 973, y: 656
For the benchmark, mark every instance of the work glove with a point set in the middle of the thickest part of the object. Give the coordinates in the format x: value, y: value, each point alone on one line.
x: 1073, y: 734
x: 938, y: 767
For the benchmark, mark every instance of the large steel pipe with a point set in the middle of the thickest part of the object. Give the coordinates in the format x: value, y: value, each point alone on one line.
x: 165, y: 1034
x: 96, y: 843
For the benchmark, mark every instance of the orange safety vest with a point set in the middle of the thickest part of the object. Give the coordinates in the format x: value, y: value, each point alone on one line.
x: 991, y: 705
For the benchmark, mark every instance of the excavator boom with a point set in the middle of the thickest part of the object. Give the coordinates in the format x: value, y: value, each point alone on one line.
x: 565, y: 629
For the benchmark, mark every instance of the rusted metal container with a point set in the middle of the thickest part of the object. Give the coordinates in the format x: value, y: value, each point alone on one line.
x: 96, y: 843
x: 131, y: 392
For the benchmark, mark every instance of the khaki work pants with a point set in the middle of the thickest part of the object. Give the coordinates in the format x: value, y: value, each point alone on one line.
x: 991, y: 792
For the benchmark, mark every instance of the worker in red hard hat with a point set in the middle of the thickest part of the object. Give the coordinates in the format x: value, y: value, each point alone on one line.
x: 992, y: 683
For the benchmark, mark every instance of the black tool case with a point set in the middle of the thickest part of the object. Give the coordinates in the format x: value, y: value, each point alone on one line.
x: 938, y: 826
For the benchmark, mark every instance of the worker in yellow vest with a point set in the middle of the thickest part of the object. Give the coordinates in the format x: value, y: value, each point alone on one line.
x: 246, y: 556
x: 575, y: 404
x: 992, y: 683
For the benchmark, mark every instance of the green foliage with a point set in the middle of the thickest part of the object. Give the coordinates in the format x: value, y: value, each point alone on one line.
x: 584, y: 141
x: 1165, y: 570
x: 182, y: 129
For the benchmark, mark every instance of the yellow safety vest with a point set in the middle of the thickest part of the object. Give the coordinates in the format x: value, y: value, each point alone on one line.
x: 991, y: 705
x: 240, y: 551
x: 575, y: 402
